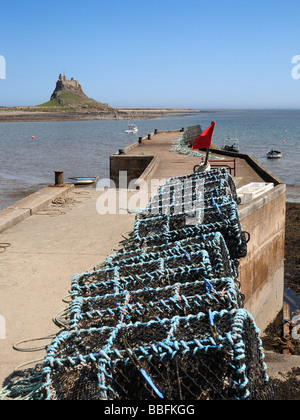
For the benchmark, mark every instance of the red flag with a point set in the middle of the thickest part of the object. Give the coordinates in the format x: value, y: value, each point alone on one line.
x: 205, y: 138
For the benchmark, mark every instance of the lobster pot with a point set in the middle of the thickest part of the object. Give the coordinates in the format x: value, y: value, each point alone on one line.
x: 180, y: 203
x: 215, y: 176
x: 213, y: 211
x: 223, y: 219
x: 216, y: 173
x: 214, y: 186
x: 159, y: 278
x: 214, y: 244
x: 181, y: 299
x: 116, y: 276
x: 109, y: 280
x: 182, y: 358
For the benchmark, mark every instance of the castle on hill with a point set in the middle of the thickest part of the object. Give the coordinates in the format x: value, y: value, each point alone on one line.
x: 70, y: 93
x: 71, y: 83
x: 63, y: 85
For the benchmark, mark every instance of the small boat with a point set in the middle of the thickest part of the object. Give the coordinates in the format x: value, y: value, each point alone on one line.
x: 84, y: 180
x: 274, y: 154
x: 231, y: 145
x: 132, y: 129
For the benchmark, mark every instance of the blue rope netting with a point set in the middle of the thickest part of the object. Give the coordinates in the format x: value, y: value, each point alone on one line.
x: 164, y: 317
x: 213, y: 180
x: 213, y: 243
x: 132, y: 282
x: 223, y: 218
x: 187, y: 348
x: 149, y: 303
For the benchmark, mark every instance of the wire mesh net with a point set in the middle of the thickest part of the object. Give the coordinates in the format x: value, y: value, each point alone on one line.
x: 194, y: 357
x: 214, y: 178
x: 214, y: 244
x: 163, y: 302
x: 200, y: 269
x: 223, y: 218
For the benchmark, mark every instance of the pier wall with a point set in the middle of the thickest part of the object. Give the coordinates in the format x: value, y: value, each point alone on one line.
x: 262, y: 270
x: 134, y: 166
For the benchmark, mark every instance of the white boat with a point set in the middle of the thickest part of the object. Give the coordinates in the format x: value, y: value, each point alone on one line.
x: 132, y: 129
x: 231, y: 145
x: 84, y: 180
x: 274, y: 154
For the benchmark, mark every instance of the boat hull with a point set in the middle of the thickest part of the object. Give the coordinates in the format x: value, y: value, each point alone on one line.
x: 83, y: 180
x: 231, y: 149
x: 274, y: 154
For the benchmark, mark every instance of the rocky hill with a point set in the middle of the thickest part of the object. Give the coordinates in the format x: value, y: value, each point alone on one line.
x: 69, y: 94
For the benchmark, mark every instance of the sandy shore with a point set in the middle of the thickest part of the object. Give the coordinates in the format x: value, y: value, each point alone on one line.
x: 38, y: 114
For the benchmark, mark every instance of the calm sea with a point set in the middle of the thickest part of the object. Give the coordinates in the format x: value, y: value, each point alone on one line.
x: 83, y: 148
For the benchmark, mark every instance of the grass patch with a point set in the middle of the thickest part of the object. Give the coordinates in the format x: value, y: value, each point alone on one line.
x: 63, y: 100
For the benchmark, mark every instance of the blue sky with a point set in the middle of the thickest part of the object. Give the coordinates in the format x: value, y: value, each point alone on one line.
x: 217, y: 54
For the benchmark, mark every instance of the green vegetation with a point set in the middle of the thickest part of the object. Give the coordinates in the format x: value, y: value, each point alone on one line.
x: 73, y: 100
x: 63, y: 100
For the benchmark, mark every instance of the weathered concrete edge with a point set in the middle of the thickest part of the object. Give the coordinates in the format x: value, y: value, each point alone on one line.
x: 148, y: 171
x: 35, y: 202
x: 259, y: 202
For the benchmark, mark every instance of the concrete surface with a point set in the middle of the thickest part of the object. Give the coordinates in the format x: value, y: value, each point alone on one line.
x: 30, y: 205
x: 46, y: 251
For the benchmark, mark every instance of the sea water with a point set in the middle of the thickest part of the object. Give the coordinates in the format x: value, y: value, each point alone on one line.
x: 30, y: 152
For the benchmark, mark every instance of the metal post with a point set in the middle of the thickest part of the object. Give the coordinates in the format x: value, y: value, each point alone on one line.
x: 206, y: 157
x: 59, y: 178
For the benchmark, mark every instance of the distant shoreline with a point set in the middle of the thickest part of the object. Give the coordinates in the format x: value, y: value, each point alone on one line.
x: 32, y: 114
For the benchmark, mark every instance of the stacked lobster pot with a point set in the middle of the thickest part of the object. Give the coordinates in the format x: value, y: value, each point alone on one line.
x: 164, y: 317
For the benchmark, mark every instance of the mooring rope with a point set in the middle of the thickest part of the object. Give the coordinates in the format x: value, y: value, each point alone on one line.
x: 4, y: 246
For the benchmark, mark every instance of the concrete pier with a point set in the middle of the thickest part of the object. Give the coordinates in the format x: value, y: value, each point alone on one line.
x: 58, y: 232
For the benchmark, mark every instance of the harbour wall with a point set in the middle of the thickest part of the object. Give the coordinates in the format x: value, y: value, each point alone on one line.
x: 262, y: 270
